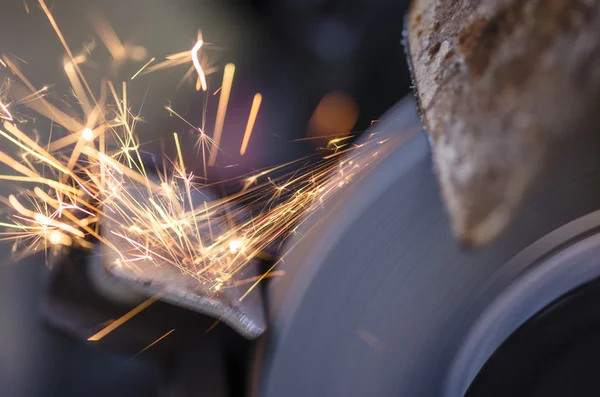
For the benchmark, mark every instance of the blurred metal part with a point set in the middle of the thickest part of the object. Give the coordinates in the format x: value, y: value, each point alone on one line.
x: 501, y: 84
x: 246, y: 316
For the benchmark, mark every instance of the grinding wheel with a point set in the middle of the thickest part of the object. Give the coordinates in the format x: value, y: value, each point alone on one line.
x: 379, y: 299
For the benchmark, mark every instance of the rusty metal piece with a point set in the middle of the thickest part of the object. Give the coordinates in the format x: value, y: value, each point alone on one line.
x: 500, y: 83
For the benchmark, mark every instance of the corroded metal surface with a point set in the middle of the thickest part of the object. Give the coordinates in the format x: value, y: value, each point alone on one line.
x: 500, y: 83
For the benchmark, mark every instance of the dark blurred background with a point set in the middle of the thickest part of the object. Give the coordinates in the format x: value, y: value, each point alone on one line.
x: 323, y: 67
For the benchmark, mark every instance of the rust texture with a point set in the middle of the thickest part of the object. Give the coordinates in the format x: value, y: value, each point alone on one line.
x: 500, y: 83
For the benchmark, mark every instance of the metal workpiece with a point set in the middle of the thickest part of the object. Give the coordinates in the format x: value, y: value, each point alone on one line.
x: 181, y: 287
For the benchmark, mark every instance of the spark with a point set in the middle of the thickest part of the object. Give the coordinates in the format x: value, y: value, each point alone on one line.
x: 213, y: 326
x: 251, y: 120
x: 196, y: 61
x: 143, y: 67
x: 204, y: 143
x: 261, y: 278
x: 155, y: 342
x: 38, y: 103
x: 186, y: 57
x: 123, y: 319
x: 6, y: 115
x: 87, y: 134
x: 222, y: 110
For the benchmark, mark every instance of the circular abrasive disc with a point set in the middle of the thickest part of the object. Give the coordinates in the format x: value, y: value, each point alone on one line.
x: 377, y: 295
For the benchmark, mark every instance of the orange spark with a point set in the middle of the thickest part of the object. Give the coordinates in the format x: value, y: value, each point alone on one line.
x: 158, y: 219
x: 7, y: 115
x: 62, y: 40
x: 123, y: 319
x: 142, y: 68
x: 222, y: 110
x: 155, y: 342
x: 251, y: 120
x: 39, y: 104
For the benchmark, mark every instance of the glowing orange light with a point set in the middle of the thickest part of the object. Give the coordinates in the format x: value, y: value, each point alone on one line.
x: 123, y: 319
x: 222, y: 110
x: 251, y: 120
x: 335, y: 114
x: 6, y: 115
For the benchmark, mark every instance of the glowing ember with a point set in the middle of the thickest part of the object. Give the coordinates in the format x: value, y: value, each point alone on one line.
x: 235, y: 246
x: 87, y: 134
x: 57, y: 238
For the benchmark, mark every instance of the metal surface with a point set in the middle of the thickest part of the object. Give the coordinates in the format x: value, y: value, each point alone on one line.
x: 378, y: 296
x: 176, y: 287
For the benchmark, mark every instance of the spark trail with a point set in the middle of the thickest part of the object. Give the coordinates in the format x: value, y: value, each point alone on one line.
x: 92, y: 172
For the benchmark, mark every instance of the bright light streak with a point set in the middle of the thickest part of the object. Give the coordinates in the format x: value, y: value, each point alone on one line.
x: 222, y: 110
x: 251, y: 120
x: 197, y: 65
x: 6, y: 115
x: 155, y: 342
x: 123, y: 319
x: 143, y: 67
